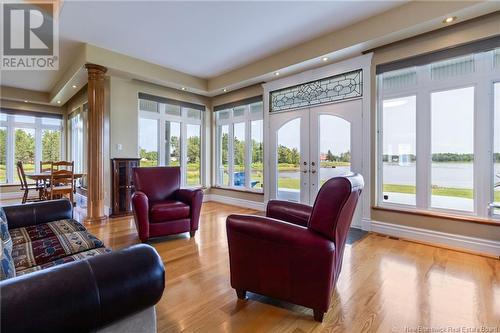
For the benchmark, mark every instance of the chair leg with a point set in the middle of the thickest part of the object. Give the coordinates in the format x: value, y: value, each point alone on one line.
x: 318, y: 315
x: 242, y: 294
x: 192, y: 233
x: 25, y: 196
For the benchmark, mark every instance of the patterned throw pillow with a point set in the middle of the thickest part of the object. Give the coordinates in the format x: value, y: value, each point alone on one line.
x: 4, y: 229
x: 7, y: 269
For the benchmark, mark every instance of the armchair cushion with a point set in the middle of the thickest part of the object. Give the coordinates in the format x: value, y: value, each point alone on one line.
x: 168, y: 210
x: 289, y: 211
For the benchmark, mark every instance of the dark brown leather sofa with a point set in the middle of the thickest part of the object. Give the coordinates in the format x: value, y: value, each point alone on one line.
x: 83, y: 295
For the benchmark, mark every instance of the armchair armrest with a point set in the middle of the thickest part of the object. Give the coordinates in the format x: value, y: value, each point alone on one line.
x: 140, y: 205
x: 289, y: 211
x: 277, y: 232
x: 193, y: 198
x: 84, y: 295
x: 38, y: 212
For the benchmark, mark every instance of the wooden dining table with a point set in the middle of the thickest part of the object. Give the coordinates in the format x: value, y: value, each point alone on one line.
x: 42, y: 177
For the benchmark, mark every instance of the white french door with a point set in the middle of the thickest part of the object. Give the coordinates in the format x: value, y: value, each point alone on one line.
x: 310, y: 146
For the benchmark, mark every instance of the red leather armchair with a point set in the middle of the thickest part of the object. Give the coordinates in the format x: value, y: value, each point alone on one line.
x: 295, y: 252
x: 160, y: 206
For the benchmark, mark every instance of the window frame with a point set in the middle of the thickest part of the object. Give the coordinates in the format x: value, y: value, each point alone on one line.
x: 247, y: 119
x: 11, y: 125
x: 482, y: 79
x: 162, y: 117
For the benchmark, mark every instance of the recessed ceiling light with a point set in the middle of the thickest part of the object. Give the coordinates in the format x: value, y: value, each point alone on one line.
x: 325, y: 59
x: 73, y: 86
x: 276, y: 73
x: 183, y: 88
x: 224, y: 90
x: 25, y: 101
x: 58, y: 102
x: 449, y: 19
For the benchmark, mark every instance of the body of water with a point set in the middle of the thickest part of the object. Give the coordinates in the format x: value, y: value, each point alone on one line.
x: 456, y: 175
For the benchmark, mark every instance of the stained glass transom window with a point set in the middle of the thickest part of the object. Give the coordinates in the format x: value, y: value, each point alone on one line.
x: 331, y: 89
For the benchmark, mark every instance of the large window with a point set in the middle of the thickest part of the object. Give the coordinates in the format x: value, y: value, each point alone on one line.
x: 28, y: 138
x: 239, y: 145
x: 171, y: 133
x: 436, y: 135
x: 77, y: 132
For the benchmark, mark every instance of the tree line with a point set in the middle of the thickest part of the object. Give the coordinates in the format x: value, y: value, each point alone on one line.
x: 441, y: 157
x: 24, y: 142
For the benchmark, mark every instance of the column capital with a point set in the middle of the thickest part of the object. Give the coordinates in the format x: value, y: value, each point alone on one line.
x: 95, y: 71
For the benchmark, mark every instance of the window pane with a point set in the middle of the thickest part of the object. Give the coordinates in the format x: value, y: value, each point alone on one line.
x: 256, y: 180
x: 223, y: 115
x: 3, y: 155
x: 25, y: 149
x: 223, y: 150
x: 239, y: 154
x: 239, y: 111
x: 146, y: 105
x: 193, y: 155
x: 51, y: 145
x: 24, y: 119
x: 289, y: 161
x: 173, y: 110
x: 334, y: 147
x: 256, y: 108
x: 452, y: 130
x: 148, y: 142
x: 193, y: 113
x: 52, y: 121
x: 173, y: 144
x: 496, y: 147
x: 399, y: 150
x: 3, y: 117
x: 77, y: 143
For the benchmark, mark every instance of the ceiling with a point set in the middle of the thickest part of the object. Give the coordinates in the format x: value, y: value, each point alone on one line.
x: 204, y: 39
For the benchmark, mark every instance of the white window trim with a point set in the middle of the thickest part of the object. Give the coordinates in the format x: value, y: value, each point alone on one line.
x: 246, y: 118
x: 482, y: 79
x: 11, y: 126
x: 161, y: 117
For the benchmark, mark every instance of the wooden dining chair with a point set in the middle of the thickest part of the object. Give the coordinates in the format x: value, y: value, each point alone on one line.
x: 45, y: 166
x: 25, y: 187
x: 62, y: 180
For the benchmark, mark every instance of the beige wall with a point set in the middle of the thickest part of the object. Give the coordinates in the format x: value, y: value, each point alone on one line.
x: 124, y: 114
x: 461, y: 33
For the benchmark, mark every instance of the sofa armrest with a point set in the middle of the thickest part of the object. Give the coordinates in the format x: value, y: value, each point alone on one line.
x: 193, y: 198
x: 84, y: 295
x: 38, y: 212
x: 289, y: 211
x: 140, y: 205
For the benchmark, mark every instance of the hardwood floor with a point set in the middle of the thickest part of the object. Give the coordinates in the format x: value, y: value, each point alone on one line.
x: 386, y: 285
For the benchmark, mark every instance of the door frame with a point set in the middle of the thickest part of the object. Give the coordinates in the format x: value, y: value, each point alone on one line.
x: 362, y: 62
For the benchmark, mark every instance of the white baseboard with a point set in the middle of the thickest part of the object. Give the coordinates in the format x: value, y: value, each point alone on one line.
x: 477, y: 245
x: 235, y: 202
